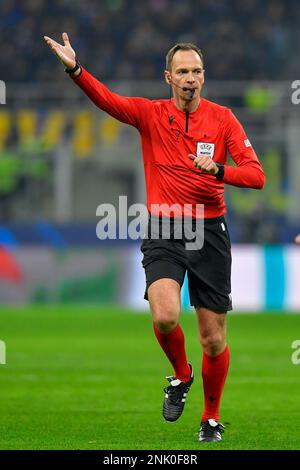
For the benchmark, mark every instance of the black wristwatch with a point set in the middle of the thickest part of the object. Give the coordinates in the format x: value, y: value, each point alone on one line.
x: 220, y: 175
x: 74, y: 69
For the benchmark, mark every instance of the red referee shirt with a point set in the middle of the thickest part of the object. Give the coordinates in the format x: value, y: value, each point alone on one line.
x: 168, y: 135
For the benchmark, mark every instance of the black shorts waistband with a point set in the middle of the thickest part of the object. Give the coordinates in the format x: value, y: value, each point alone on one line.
x: 210, y: 220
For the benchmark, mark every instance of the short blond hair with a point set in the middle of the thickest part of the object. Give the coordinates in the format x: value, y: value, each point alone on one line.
x: 181, y: 46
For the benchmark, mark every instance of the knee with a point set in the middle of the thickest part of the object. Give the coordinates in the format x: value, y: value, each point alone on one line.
x: 212, y: 343
x: 164, y: 302
x: 165, y: 320
x: 165, y: 324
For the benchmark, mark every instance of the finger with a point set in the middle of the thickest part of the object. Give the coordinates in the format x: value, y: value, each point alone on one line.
x: 198, y: 162
x: 56, y: 48
x: 202, y: 169
x: 191, y: 156
x: 53, y: 47
x: 53, y: 44
x: 202, y: 165
x: 206, y: 166
x: 66, y: 39
x: 49, y: 40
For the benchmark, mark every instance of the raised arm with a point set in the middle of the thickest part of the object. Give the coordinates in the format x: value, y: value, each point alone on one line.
x: 133, y: 111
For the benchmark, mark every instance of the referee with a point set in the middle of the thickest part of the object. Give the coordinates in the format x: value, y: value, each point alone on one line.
x: 185, y: 141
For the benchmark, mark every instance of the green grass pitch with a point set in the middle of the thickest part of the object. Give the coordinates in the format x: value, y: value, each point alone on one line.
x: 92, y: 378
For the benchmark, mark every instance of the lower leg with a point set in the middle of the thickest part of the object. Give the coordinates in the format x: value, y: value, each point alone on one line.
x: 173, y: 345
x: 215, y: 360
x: 164, y: 298
x: 214, y: 373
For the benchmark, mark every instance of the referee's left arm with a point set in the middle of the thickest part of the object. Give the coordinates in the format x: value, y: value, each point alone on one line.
x: 248, y: 172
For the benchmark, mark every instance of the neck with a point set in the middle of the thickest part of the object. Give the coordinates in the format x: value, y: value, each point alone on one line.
x: 187, y: 106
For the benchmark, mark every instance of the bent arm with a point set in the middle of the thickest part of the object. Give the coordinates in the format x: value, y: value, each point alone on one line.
x: 248, y: 173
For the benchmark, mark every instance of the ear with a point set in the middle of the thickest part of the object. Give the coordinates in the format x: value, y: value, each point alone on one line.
x: 168, y: 77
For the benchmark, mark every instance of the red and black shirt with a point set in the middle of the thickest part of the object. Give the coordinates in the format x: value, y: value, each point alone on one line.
x: 168, y: 135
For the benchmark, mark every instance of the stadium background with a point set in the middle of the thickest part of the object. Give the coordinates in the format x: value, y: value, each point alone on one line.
x: 60, y: 158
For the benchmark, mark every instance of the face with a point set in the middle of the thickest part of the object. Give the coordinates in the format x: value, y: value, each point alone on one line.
x: 187, y: 72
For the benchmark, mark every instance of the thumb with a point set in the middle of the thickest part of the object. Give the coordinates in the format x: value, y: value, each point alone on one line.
x: 66, y: 39
x: 191, y: 156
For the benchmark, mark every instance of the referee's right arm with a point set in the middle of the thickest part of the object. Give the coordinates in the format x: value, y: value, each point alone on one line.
x: 133, y: 111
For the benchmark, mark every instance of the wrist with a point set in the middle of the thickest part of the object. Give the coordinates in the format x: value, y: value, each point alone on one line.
x: 74, y: 71
x: 220, y: 172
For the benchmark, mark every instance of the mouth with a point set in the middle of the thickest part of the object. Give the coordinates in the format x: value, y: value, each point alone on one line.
x: 190, y: 91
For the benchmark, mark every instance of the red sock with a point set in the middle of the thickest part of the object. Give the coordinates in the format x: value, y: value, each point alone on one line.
x: 173, y: 345
x: 214, y: 373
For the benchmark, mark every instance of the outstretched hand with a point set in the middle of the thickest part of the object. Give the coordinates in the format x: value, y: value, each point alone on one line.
x: 65, y: 53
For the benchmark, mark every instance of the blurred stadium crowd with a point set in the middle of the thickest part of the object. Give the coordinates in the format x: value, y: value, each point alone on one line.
x: 60, y: 157
x: 241, y: 40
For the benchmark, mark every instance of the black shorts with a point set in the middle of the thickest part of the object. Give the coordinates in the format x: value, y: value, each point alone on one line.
x: 208, y: 269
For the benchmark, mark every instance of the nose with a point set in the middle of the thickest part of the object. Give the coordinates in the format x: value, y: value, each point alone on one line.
x: 190, y: 78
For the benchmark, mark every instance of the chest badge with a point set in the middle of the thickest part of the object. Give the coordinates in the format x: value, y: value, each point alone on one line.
x: 205, y: 149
